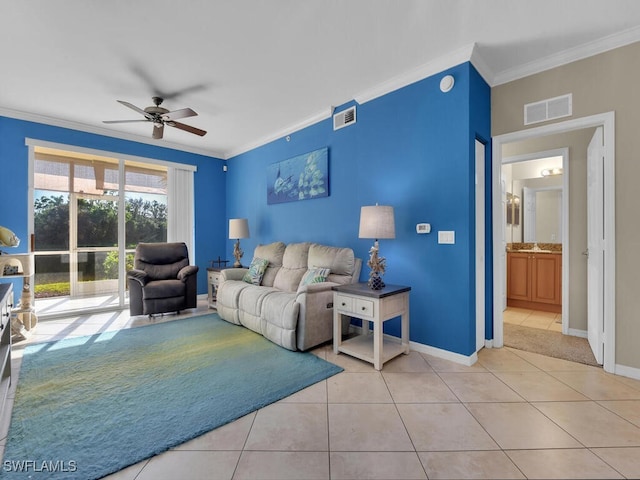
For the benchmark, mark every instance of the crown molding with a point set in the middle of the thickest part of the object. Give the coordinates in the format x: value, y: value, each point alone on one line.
x: 318, y: 117
x: 437, y: 65
x: 58, y: 122
x: 478, y: 61
x: 570, y: 55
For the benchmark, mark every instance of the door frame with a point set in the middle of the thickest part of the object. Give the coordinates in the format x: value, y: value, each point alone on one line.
x: 480, y: 182
x: 607, y: 121
x: 564, y: 153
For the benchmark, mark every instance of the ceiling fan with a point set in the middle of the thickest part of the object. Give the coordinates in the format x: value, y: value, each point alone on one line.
x: 160, y: 117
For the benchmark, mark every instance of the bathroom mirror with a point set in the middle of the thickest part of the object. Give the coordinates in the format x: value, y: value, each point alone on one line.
x: 532, y: 203
x: 542, y: 215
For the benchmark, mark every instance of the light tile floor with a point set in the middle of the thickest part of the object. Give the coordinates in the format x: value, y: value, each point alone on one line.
x: 513, y: 414
x: 533, y: 318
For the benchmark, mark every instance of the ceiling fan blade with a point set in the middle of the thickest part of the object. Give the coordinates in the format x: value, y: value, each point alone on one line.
x: 123, y: 121
x: 187, y: 128
x: 182, y: 113
x: 137, y: 109
x: 158, y: 131
x: 149, y: 80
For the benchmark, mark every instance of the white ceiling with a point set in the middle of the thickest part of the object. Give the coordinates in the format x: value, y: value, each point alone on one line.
x: 255, y: 70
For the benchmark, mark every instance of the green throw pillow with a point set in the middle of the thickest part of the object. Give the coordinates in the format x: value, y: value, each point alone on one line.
x: 315, y: 275
x: 256, y: 271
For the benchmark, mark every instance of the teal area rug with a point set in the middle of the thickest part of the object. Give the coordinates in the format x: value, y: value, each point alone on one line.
x: 90, y: 406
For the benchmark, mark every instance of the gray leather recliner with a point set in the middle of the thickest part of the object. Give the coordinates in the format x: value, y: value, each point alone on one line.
x: 162, y: 280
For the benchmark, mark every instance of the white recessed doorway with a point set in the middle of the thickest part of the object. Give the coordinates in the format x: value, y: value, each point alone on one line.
x: 602, y: 338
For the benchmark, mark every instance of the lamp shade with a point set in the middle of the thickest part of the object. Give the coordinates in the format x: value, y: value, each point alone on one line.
x: 377, y: 221
x: 238, y: 228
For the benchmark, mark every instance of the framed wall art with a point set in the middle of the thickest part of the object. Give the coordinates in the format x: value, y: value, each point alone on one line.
x: 298, y: 178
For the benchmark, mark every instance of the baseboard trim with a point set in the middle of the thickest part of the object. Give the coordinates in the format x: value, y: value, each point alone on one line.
x: 627, y: 371
x: 429, y: 350
x: 577, y: 333
x: 466, y: 360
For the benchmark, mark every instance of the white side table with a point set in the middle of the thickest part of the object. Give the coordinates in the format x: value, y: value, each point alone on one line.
x: 376, y: 306
x: 213, y: 280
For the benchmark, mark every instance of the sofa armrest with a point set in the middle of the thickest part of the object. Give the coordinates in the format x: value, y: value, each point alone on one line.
x: 185, y: 272
x: 140, y: 276
x: 315, y: 322
x: 232, y: 274
x: 315, y: 288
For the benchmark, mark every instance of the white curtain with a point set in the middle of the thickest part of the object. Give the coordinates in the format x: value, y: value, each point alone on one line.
x: 181, y: 224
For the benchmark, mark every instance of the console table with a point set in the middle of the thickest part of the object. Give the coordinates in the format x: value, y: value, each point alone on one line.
x: 21, y: 265
x: 376, y: 306
x: 5, y: 342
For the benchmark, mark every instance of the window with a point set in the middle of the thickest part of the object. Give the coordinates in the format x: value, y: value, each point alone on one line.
x: 89, y: 213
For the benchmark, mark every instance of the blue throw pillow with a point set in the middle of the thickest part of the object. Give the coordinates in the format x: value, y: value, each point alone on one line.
x: 256, y: 271
x: 315, y: 275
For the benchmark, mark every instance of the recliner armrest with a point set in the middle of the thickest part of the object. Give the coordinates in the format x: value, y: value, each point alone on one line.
x: 187, y: 271
x: 139, y: 276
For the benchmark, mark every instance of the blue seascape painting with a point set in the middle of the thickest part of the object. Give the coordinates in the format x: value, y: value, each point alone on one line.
x: 299, y: 178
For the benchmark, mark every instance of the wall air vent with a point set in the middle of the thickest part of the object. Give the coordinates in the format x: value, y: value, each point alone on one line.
x: 345, y: 118
x: 549, y: 109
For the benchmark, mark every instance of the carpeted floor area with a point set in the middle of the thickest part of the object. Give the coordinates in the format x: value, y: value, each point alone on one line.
x: 550, y: 343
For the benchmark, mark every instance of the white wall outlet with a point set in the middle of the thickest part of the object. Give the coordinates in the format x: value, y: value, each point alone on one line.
x: 423, y: 228
x: 448, y: 237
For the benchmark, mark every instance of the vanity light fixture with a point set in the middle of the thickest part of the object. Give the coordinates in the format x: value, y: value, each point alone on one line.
x: 547, y: 172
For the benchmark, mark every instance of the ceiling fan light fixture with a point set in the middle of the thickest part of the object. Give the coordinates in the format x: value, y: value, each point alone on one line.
x: 160, y: 117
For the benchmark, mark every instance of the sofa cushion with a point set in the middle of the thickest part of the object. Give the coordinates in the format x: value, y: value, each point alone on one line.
x: 250, y: 303
x: 280, y: 318
x: 163, y: 289
x: 228, y: 298
x: 315, y: 275
x: 274, y: 253
x: 340, y: 262
x: 294, y: 266
x: 256, y: 271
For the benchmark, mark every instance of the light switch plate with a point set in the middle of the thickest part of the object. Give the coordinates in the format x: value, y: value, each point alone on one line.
x: 447, y: 236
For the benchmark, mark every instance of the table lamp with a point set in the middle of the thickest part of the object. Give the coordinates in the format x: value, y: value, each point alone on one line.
x: 376, y: 222
x: 238, y: 228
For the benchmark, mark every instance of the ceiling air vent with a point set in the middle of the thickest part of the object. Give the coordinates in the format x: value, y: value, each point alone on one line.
x: 549, y: 109
x: 345, y: 118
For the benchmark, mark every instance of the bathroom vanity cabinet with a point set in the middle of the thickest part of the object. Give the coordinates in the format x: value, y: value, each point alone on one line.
x: 534, y: 280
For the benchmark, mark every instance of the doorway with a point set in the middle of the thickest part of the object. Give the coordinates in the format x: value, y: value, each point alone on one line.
x: 606, y: 335
x: 536, y: 236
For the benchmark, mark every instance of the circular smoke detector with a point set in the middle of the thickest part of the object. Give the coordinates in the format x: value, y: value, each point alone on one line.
x: 446, y: 84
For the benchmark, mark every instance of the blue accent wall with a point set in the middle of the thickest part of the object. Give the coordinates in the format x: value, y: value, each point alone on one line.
x: 414, y: 149
x: 209, y: 183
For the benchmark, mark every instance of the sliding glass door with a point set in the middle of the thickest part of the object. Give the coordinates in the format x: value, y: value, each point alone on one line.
x: 89, y: 214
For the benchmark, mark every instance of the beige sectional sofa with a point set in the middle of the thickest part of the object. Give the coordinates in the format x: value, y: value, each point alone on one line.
x: 287, y: 306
